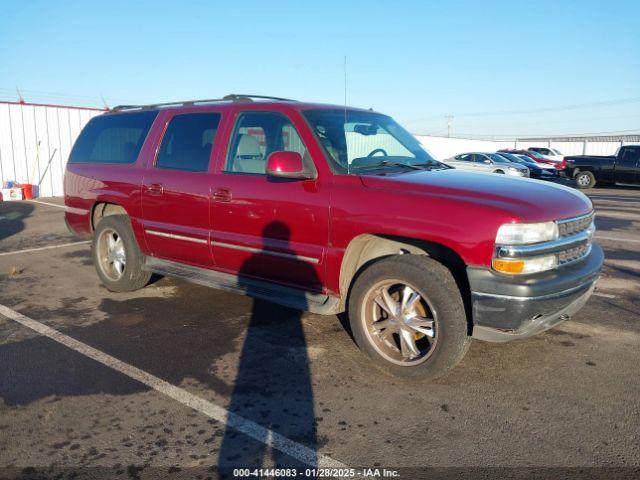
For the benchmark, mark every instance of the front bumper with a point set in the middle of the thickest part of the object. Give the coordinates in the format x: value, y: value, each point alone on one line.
x: 506, y: 308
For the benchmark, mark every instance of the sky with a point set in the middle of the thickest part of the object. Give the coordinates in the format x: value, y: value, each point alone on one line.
x: 502, y: 69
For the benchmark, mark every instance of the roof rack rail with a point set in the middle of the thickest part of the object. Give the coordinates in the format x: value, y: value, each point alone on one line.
x: 233, y: 97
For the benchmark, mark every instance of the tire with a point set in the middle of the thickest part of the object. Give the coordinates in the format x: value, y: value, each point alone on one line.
x: 585, y: 179
x: 439, y: 302
x: 499, y: 171
x: 119, y: 267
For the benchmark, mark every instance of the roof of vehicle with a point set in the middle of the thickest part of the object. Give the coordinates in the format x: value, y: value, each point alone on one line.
x: 233, y: 101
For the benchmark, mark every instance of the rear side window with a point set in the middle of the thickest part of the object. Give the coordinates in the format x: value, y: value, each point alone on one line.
x: 112, y: 138
x: 188, y: 141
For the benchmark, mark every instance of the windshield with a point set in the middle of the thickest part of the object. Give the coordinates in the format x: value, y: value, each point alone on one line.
x: 357, y: 141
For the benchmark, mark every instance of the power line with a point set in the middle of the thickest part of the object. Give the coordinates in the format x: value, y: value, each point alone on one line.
x: 58, y: 96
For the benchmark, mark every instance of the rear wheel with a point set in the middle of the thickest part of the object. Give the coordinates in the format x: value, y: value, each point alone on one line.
x: 499, y: 171
x: 406, y: 313
x: 585, y: 179
x: 116, y: 255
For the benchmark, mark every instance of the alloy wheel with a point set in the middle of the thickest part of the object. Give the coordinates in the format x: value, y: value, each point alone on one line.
x: 112, y: 257
x: 400, y: 322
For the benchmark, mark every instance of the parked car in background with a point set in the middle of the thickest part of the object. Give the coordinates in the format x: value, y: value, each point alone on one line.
x: 589, y: 170
x: 535, y: 156
x: 330, y: 210
x: 535, y: 169
x: 487, y: 163
x: 551, y: 153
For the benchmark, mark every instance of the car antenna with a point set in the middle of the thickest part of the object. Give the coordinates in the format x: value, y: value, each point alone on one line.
x: 345, y: 106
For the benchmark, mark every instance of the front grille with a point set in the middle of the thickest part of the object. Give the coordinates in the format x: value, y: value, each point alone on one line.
x: 573, y: 254
x: 574, y: 226
x: 569, y: 228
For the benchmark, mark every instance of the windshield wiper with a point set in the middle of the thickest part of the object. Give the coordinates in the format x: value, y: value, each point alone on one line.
x: 387, y: 163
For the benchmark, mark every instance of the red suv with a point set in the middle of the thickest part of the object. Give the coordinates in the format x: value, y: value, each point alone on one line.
x: 328, y: 209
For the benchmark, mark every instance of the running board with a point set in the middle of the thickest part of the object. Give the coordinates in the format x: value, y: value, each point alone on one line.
x: 287, y: 296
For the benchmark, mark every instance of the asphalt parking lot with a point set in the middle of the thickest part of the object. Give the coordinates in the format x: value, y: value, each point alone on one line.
x: 138, y: 385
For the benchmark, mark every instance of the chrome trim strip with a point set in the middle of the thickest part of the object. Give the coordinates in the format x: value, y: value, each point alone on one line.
x: 555, y: 246
x: 567, y: 220
x: 176, y: 237
x: 266, y: 252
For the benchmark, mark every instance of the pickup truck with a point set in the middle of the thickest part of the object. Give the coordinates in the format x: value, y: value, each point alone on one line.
x: 330, y: 210
x: 622, y: 168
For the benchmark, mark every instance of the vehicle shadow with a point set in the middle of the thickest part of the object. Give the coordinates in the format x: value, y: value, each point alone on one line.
x: 273, y: 385
x: 12, y: 215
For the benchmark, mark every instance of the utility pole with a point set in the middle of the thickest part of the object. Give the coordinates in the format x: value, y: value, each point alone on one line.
x: 449, y: 122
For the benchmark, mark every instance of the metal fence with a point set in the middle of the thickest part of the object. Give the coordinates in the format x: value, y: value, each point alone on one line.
x: 445, y: 147
x: 35, y: 141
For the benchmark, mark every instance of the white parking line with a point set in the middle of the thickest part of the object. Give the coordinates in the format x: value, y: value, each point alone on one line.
x: 39, y: 249
x: 616, y: 239
x: 47, y: 203
x: 251, y: 429
x: 604, y: 295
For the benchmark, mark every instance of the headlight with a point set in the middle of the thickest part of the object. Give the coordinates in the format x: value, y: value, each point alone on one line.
x: 526, y: 265
x: 523, y: 233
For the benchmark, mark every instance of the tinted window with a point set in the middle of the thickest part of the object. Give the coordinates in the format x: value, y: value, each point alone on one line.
x: 497, y: 158
x: 114, y: 138
x: 188, y: 141
x: 631, y: 154
x: 256, y: 136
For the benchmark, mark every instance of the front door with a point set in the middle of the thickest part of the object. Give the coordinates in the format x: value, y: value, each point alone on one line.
x: 176, y: 190
x: 267, y: 228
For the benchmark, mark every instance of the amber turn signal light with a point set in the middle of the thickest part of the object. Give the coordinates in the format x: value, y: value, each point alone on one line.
x: 508, y: 266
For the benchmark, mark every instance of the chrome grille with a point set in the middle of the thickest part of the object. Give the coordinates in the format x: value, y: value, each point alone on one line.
x: 573, y: 254
x: 569, y: 228
x: 573, y: 226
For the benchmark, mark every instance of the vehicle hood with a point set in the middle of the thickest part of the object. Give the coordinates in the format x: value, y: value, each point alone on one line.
x: 524, y: 199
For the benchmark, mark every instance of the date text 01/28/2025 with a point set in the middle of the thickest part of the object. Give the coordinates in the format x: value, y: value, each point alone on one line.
x: 315, y: 473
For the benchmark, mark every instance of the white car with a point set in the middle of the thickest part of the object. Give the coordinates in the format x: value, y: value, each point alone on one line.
x: 550, y: 153
x: 488, y: 163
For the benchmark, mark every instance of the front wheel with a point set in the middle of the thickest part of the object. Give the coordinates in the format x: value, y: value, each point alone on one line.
x: 585, y: 179
x: 116, y: 255
x: 406, y: 313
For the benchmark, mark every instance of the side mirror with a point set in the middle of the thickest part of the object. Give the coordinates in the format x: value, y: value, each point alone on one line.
x: 488, y: 161
x: 287, y: 165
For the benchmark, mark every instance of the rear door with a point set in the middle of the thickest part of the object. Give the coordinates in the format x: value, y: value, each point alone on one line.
x: 176, y: 188
x: 627, y: 165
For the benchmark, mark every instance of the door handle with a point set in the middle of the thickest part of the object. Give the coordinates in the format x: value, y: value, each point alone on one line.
x: 155, y: 189
x: 222, y: 195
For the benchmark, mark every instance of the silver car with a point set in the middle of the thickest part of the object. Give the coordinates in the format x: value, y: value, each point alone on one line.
x: 488, y: 163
